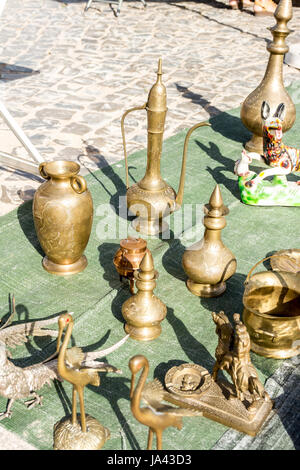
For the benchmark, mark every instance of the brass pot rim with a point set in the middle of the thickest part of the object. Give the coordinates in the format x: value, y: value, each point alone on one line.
x: 272, y: 317
x: 61, y: 168
x: 134, y: 245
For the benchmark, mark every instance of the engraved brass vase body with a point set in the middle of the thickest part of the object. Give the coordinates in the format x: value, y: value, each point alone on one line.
x: 271, y: 89
x: 272, y: 313
x: 152, y: 198
x: 63, y: 215
x: 209, y: 263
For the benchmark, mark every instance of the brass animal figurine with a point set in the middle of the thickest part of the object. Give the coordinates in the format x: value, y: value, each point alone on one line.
x: 282, y: 159
x: 156, y: 415
x: 17, y: 383
x: 78, y: 369
x: 233, y: 356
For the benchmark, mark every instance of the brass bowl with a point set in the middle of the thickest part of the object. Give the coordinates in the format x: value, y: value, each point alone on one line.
x: 272, y: 307
x: 273, y: 336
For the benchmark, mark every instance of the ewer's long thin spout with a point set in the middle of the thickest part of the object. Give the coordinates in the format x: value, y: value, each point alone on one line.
x: 180, y: 193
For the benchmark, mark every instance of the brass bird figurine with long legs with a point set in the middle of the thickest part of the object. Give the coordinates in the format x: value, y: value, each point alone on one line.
x: 80, y: 371
x: 157, y: 415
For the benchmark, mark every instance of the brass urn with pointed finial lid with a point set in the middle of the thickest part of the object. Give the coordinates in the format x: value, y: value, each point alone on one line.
x: 209, y: 263
x: 144, y: 312
x: 271, y: 89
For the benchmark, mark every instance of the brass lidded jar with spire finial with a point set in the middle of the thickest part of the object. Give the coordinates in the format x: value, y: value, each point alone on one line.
x: 143, y: 312
x: 271, y: 89
x: 209, y: 263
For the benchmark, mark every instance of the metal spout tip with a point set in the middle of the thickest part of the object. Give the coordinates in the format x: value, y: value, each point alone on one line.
x: 159, y: 69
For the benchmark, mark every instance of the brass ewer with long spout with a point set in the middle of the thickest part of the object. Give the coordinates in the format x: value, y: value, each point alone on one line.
x: 271, y: 88
x: 152, y: 199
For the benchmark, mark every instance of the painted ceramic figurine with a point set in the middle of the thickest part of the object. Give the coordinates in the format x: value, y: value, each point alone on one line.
x: 282, y: 160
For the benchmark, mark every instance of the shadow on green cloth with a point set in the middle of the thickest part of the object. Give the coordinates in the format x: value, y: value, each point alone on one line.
x: 194, y: 350
x: 26, y: 222
x: 227, y: 165
x: 115, y: 199
x: 106, y: 255
x: 228, y: 125
x: 171, y: 259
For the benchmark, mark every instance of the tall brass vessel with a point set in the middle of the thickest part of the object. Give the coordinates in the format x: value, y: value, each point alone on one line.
x: 63, y: 216
x: 271, y: 89
x: 209, y: 263
x: 152, y: 199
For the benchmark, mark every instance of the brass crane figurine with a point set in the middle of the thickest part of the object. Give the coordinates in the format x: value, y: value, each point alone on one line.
x: 80, y: 370
x: 157, y: 416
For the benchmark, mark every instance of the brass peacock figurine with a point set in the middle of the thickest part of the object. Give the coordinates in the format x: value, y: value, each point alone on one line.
x: 18, y: 383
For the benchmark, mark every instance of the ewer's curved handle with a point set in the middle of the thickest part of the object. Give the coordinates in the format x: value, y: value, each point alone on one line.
x: 255, y: 266
x: 78, y: 183
x: 42, y: 171
x: 179, y: 197
x: 137, y: 108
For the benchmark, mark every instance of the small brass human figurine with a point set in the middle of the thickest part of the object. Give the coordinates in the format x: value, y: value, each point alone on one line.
x: 144, y: 312
x: 73, y: 367
x: 156, y: 415
x: 233, y: 356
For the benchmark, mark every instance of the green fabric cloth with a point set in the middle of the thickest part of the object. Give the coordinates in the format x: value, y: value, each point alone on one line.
x: 96, y: 295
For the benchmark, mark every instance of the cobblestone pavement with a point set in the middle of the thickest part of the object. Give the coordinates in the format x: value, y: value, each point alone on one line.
x: 67, y: 76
